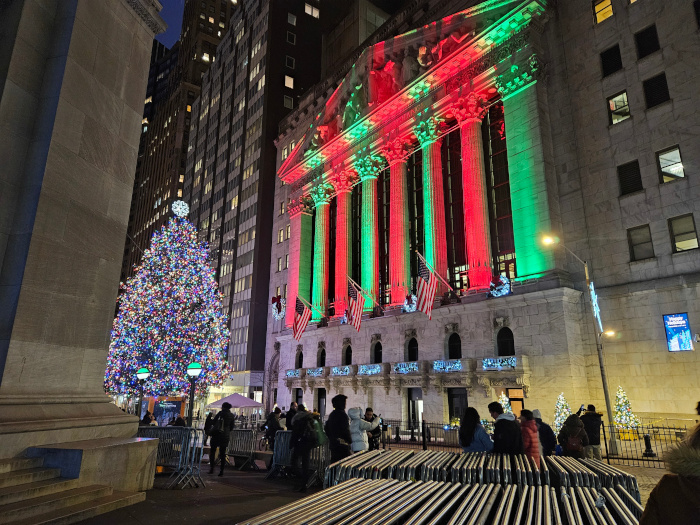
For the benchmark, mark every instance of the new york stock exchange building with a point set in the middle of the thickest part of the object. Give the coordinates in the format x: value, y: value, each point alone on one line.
x: 469, y: 140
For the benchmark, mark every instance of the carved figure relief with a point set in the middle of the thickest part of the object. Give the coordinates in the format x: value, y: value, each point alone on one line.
x: 354, y: 106
x: 410, y: 67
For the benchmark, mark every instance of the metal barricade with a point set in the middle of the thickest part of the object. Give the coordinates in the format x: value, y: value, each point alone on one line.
x: 241, y: 444
x: 282, y: 458
x: 179, y: 449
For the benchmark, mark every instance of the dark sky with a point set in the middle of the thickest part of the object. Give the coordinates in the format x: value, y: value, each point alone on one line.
x: 172, y: 14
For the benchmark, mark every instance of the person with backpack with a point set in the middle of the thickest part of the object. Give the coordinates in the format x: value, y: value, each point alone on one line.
x: 572, y: 437
x: 359, y: 428
x: 220, y: 433
x: 547, y: 438
x: 304, y: 439
x: 592, y: 421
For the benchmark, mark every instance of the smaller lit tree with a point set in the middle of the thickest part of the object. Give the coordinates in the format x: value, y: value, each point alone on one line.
x: 505, y: 402
x: 562, y: 410
x: 624, y: 418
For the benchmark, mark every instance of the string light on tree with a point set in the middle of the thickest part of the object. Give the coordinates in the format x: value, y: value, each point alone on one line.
x: 170, y: 315
x: 562, y: 410
x: 624, y: 418
x: 505, y: 402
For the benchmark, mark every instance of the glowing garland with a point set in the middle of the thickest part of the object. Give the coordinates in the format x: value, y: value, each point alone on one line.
x: 410, y: 306
x: 279, y: 308
x: 170, y: 315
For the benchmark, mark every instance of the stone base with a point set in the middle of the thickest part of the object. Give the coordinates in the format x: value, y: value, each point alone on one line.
x: 123, y: 464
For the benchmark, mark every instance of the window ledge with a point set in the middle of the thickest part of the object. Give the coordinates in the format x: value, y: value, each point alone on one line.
x: 648, y: 259
x: 692, y: 250
x: 667, y: 103
x: 679, y: 179
x: 621, y: 124
x: 638, y: 192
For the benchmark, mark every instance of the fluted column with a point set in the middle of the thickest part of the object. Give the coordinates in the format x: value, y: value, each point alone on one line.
x: 368, y: 169
x: 343, y: 182
x: 470, y: 110
x: 395, y: 153
x: 321, y: 195
x: 299, y: 272
x: 428, y: 133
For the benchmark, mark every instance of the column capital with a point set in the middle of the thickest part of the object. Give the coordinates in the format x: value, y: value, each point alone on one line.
x: 369, y: 166
x: 321, y: 194
x: 302, y: 204
x: 520, y: 75
x: 395, y: 150
x: 470, y: 108
x: 428, y: 130
x: 343, y: 180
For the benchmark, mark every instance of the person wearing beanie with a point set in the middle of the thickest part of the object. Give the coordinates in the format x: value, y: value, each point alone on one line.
x: 547, y: 438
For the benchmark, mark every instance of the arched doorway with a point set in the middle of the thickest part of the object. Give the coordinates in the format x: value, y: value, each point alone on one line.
x: 412, y: 353
x: 376, y: 354
x: 505, y: 342
x: 454, y: 347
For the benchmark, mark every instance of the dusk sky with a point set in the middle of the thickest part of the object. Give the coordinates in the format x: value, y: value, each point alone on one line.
x: 172, y: 14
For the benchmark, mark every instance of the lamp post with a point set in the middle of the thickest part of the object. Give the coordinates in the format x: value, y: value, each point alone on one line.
x: 142, y: 374
x: 597, y: 322
x: 193, y: 371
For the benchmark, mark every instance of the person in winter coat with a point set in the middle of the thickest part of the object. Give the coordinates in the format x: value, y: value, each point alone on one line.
x: 548, y: 440
x: 676, y: 498
x: 146, y: 420
x: 375, y: 435
x: 290, y: 415
x: 207, y: 426
x: 222, y: 425
x: 531, y: 438
x: 301, y: 444
x: 338, y: 429
x: 359, y: 428
x: 273, y: 426
x: 572, y: 437
x: 592, y: 422
x: 472, y: 436
x: 507, y: 438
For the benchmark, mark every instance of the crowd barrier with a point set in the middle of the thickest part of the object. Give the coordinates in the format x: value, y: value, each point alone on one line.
x: 390, y: 501
x: 242, y: 445
x: 282, y: 458
x: 180, y: 450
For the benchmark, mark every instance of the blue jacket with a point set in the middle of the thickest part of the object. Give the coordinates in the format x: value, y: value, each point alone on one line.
x: 481, y: 442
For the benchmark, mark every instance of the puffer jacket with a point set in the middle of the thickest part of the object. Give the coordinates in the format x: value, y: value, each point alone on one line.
x: 359, y: 428
x: 531, y: 440
x: 676, y: 498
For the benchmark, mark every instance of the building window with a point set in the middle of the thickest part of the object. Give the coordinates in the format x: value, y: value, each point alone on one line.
x: 412, y: 350
x: 647, y: 42
x: 321, y: 361
x: 454, y: 347
x: 602, y: 10
x: 376, y: 353
x: 618, y: 108
x: 611, y: 60
x: 281, y: 209
x: 505, y: 342
x: 288, y: 82
x: 205, y: 57
x: 278, y: 291
x: 696, y: 6
x: 311, y: 10
x: 286, y: 261
x: 640, y: 244
x: 347, y: 356
x: 289, y: 104
x: 656, y: 90
x: 670, y: 164
x: 289, y: 231
x: 630, y: 178
x: 300, y: 360
x: 291, y: 19
x: 280, y: 236
x: 291, y: 38
x: 284, y: 153
x: 683, y: 236
x: 279, y: 264
x: 289, y: 62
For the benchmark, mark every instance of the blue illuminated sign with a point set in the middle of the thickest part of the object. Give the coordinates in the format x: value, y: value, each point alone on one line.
x: 678, y: 335
x: 369, y: 370
x: 340, y: 371
x: 406, y: 368
x: 314, y: 372
x: 453, y: 365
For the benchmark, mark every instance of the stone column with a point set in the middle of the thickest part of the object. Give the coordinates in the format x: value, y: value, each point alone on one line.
x: 368, y: 169
x: 428, y: 133
x: 470, y: 110
x: 395, y: 153
x: 343, y: 183
x: 299, y: 273
x: 530, y: 164
x: 321, y: 195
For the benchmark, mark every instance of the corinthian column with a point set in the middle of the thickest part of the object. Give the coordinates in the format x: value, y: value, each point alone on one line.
x: 395, y: 153
x: 428, y: 133
x: 343, y: 183
x: 470, y: 110
x: 321, y: 195
x: 299, y: 273
x: 368, y: 169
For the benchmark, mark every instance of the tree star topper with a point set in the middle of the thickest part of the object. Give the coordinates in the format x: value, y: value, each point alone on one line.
x: 180, y: 208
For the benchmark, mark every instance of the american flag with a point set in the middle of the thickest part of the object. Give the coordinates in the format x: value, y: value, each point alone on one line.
x: 302, y: 315
x: 427, y: 285
x: 357, y: 304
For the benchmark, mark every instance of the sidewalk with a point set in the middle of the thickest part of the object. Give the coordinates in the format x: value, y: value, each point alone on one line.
x: 647, y: 478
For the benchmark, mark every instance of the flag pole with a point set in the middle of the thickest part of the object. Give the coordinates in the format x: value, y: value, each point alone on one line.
x: 363, y: 291
x: 433, y: 270
x: 309, y: 305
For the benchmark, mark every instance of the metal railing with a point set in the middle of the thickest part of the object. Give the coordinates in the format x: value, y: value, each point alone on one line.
x: 180, y: 451
x: 643, y: 446
x: 398, y: 434
x: 282, y: 458
x: 241, y: 444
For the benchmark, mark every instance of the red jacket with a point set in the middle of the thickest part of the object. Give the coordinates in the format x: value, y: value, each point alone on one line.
x: 531, y: 440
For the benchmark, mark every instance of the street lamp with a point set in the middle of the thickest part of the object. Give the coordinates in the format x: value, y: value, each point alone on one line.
x: 141, y: 374
x: 193, y: 371
x: 550, y: 240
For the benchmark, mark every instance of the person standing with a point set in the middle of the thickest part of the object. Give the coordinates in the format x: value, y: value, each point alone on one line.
x: 290, y: 415
x: 572, y: 437
x: 359, y: 429
x: 592, y: 422
x: 507, y: 438
x: 304, y: 439
x: 146, y: 420
x: 472, y: 436
x: 273, y: 426
x: 547, y: 438
x: 338, y: 429
x: 222, y: 425
x: 373, y: 436
x: 207, y: 426
x: 531, y: 438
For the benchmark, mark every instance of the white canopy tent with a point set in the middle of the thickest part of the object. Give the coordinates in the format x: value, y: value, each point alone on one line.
x: 248, y: 411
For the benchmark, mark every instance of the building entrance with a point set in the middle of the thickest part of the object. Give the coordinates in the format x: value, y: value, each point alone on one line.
x: 457, y: 402
x: 321, y: 400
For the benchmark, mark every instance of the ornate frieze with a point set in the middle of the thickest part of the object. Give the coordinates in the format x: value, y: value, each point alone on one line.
x: 376, y: 338
x: 451, y: 328
x: 520, y: 75
x: 471, y: 108
x: 408, y: 334
x: 346, y: 342
x: 302, y: 204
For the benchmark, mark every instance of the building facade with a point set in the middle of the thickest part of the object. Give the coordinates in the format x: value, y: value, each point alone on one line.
x: 469, y: 140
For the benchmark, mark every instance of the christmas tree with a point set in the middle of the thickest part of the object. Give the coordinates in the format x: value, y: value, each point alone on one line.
x: 624, y: 418
x: 562, y: 410
x: 169, y: 316
x: 505, y: 402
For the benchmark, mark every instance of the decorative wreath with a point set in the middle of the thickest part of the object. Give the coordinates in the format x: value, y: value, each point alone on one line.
x: 279, y: 308
x: 410, y: 303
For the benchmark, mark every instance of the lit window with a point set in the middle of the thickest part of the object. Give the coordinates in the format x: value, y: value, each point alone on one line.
x: 148, y: 100
x: 189, y: 108
x: 656, y: 90
x: 279, y: 264
x: 618, y: 108
x: 670, y: 164
x: 288, y: 82
x: 291, y: 37
x: 603, y: 10
x: 222, y: 25
x: 280, y: 236
x: 288, y: 102
x: 144, y: 121
x: 640, y: 244
x: 179, y: 193
x: 292, y: 19
x: 683, y: 236
x: 311, y: 10
x: 182, y: 178
x: 284, y: 153
x: 289, y: 231
x: 205, y: 57
x: 277, y: 291
x: 211, y: 19
x: 286, y: 261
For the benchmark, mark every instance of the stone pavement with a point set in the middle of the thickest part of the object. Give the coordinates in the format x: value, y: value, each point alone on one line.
x: 647, y: 478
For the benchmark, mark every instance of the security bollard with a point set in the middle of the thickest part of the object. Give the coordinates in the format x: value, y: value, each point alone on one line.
x: 648, y: 453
